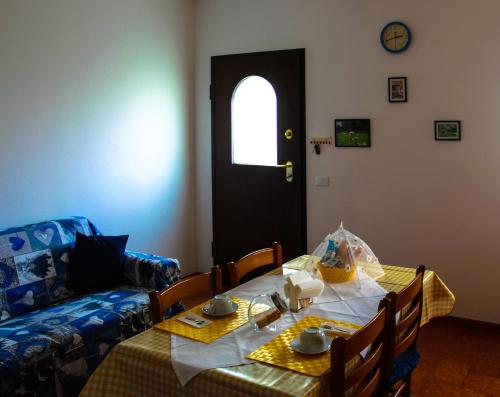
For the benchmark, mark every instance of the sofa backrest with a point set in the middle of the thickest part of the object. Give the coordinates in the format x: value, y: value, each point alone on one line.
x: 33, y: 264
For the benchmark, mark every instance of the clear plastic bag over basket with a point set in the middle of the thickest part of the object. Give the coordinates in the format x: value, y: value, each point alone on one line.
x: 345, y: 257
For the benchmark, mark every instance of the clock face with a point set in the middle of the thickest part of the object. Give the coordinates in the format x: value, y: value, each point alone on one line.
x: 395, y: 37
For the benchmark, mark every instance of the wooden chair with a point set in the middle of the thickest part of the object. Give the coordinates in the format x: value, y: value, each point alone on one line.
x: 402, y: 355
x: 270, y: 257
x: 367, y: 378
x: 210, y: 282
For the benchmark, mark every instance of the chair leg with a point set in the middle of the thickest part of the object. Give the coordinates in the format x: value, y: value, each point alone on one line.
x: 407, y: 387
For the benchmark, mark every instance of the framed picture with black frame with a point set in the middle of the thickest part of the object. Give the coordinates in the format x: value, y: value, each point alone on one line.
x: 352, y: 133
x: 397, y: 89
x: 447, y: 130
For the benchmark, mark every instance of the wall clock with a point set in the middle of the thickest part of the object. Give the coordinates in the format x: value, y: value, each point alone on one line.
x: 395, y: 37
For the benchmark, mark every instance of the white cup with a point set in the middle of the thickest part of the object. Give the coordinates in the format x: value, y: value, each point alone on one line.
x: 220, y: 304
x: 312, y: 338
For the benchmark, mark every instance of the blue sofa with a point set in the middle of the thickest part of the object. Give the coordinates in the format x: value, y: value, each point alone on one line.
x: 50, y: 338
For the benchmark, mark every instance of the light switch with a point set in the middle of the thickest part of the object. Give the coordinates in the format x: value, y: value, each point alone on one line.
x: 322, y: 180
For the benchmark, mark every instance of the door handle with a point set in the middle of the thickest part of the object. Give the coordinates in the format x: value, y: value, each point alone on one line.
x: 288, y: 166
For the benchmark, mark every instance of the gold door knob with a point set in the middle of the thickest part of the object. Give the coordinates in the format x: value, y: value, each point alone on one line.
x: 288, y: 166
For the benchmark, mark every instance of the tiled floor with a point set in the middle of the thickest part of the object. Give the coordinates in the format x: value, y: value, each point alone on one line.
x: 459, y: 358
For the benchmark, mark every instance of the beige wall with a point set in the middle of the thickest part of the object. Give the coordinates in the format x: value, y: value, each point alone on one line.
x: 95, y: 117
x: 414, y: 200
x: 96, y: 106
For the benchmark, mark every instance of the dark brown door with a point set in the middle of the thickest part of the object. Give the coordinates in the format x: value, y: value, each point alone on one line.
x: 258, y: 126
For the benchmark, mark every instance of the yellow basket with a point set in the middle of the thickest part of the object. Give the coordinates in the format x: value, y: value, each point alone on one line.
x: 335, y: 274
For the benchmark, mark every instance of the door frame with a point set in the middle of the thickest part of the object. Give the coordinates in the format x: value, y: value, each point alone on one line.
x: 302, y: 169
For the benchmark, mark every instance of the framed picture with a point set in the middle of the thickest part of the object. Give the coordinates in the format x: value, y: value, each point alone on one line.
x: 447, y: 131
x: 397, y: 89
x: 352, y: 133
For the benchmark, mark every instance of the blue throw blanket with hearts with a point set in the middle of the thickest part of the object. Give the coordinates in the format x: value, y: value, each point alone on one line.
x: 50, y: 338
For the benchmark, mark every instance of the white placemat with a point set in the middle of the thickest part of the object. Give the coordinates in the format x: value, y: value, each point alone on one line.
x: 259, y: 285
x: 190, y: 357
x: 362, y: 287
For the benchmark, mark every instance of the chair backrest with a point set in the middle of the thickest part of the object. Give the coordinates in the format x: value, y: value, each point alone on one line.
x: 404, y: 330
x: 366, y: 378
x: 271, y: 257
x: 192, y: 286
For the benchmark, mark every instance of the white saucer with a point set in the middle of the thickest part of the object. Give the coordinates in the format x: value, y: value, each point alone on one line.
x: 295, y: 345
x: 206, y: 310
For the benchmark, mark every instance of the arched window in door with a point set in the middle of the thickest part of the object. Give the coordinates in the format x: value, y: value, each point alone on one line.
x: 254, y: 122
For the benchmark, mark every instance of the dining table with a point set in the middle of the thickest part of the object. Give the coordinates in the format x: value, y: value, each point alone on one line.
x: 150, y: 364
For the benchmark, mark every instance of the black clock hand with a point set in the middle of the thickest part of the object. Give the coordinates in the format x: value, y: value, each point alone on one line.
x: 394, y: 38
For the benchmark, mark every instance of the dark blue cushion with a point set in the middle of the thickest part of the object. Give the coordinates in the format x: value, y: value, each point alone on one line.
x: 403, y: 365
x: 97, y: 262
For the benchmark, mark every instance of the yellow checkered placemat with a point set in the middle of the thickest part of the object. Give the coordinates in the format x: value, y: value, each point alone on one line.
x: 220, y: 326
x: 278, y: 351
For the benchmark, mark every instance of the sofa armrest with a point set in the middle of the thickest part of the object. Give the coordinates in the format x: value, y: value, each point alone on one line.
x: 153, y: 272
x: 150, y: 271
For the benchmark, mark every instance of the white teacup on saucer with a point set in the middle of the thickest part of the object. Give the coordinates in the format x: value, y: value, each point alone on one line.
x: 311, y: 341
x: 220, y: 305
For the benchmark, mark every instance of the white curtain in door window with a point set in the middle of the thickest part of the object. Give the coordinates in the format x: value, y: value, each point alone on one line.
x: 254, y: 118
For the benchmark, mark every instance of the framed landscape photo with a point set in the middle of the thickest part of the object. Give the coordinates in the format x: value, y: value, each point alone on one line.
x: 447, y: 130
x: 397, y: 89
x: 352, y: 133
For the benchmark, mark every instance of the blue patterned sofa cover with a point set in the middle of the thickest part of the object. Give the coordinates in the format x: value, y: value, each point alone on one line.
x: 51, y: 339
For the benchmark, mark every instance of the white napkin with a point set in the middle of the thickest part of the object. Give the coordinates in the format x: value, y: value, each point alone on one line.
x: 363, y: 287
x: 187, y: 362
x: 309, y: 289
x: 299, y: 277
x: 339, y: 311
x: 259, y: 285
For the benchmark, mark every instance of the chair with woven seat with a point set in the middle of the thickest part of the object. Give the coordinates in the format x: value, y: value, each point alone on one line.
x: 205, y: 283
x: 403, y: 357
x: 365, y: 379
x: 254, y: 264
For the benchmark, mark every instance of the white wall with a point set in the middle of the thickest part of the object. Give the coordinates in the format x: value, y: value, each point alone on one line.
x: 414, y: 200
x: 95, y: 117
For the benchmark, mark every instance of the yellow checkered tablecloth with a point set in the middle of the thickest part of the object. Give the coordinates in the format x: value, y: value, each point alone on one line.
x: 438, y: 299
x: 141, y: 366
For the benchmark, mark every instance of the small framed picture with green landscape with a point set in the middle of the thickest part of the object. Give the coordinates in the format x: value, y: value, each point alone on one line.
x: 352, y: 133
x: 447, y: 131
